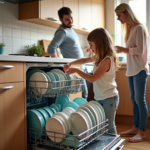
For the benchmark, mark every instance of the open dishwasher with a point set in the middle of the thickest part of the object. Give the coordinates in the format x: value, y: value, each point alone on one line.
x: 97, y: 140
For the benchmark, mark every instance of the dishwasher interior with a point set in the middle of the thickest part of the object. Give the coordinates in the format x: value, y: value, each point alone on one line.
x: 98, y: 139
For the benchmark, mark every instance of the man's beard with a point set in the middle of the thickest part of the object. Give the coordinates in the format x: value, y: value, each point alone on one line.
x: 66, y: 26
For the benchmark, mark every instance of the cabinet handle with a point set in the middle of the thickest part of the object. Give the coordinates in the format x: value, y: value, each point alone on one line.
x: 54, y: 19
x: 6, y: 87
x: 6, y: 66
x: 85, y: 28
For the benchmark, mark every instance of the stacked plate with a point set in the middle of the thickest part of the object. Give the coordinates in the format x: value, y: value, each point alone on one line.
x: 37, y: 118
x: 38, y: 81
x: 58, y: 125
x: 89, y: 115
x: 51, y: 82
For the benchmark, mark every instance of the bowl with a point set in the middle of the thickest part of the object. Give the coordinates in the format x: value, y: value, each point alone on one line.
x: 62, y: 100
x: 71, y: 104
x: 121, y: 58
x: 79, y: 100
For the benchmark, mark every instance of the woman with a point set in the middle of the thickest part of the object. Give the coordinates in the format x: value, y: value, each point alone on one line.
x: 135, y: 37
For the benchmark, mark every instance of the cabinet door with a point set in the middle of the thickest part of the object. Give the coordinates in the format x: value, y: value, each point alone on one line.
x: 79, y: 94
x: 85, y: 15
x: 98, y: 14
x: 125, y: 104
x: 49, y: 9
x: 73, y: 5
x: 11, y: 72
x: 13, y: 117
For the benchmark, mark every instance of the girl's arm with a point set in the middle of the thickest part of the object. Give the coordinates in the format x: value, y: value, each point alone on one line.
x: 78, y: 61
x: 104, y: 67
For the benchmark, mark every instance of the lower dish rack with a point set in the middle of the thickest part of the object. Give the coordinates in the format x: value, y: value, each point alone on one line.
x: 69, y: 141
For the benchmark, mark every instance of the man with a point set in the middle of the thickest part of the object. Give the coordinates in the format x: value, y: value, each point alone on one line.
x: 67, y: 40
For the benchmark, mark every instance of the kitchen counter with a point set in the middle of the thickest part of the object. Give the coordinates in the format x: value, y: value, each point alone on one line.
x: 41, y: 59
x: 38, y: 59
x: 34, y: 59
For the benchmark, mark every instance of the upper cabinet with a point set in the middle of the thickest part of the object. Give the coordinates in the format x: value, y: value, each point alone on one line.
x: 73, y: 5
x: 98, y: 14
x: 87, y: 14
x: 49, y: 8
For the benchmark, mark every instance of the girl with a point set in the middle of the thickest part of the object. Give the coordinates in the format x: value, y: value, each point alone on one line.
x: 103, y: 78
x: 137, y: 68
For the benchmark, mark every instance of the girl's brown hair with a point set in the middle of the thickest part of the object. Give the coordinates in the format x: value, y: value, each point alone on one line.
x: 104, y: 46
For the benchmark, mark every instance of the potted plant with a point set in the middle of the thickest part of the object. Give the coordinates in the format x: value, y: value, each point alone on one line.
x: 2, y: 47
x: 33, y: 49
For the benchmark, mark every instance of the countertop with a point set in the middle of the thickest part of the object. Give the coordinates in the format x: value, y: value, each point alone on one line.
x: 39, y: 59
x: 34, y: 59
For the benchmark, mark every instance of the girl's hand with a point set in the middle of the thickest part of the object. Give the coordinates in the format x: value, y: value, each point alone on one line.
x: 88, y: 49
x: 120, y: 49
x: 66, y: 67
x: 71, y: 71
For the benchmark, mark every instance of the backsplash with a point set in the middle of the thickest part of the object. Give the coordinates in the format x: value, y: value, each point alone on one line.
x: 18, y: 34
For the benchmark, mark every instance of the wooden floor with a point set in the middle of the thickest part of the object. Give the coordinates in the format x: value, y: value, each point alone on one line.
x: 145, y: 145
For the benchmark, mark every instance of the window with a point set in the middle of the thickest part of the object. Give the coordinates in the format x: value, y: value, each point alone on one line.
x: 139, y: 7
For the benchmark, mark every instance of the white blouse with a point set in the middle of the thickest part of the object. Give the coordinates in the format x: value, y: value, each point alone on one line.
x: 137, y: 56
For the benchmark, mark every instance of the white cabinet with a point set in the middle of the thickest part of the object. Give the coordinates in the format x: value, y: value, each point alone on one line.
x: 85, y: 15
x: 98, y: 14
x: 73, y: 5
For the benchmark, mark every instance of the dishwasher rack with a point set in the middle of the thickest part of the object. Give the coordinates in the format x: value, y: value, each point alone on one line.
x: 62, y: 88
x: 78, y: 141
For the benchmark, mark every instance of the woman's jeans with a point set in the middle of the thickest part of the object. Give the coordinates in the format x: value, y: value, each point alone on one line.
x: 110, y: 106
x: 137, y: 87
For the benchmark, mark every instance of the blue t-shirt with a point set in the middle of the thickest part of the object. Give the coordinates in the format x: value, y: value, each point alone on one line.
x: 68, y: 43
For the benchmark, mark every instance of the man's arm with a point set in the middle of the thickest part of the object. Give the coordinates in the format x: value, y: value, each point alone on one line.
x: 53, y: 55
x: 58, y: 39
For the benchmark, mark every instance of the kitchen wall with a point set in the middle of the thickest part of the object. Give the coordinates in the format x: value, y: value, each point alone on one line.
x: 110, y: 16
x: 18, y: 34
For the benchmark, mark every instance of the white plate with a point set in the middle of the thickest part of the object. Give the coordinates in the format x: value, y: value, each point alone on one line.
x: 62, y: 79
x: 88, y: 118
x: 79, y: 124
x: 55, y: 125
x: 66, y: 119
x: 100, y: 112
x: 73, y: 82
x: 68, y: 110
x: 83, y: 107
x: 102, y: 109
x: 41, y: 87
x: 95, y: 113
x: 63, y: 121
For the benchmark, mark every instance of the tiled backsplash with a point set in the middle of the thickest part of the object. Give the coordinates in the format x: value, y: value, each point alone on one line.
x: 18, y: 34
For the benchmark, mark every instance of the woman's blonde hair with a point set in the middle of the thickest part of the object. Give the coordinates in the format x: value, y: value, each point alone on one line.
x: 104, y: 46
x: 131, y: 20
